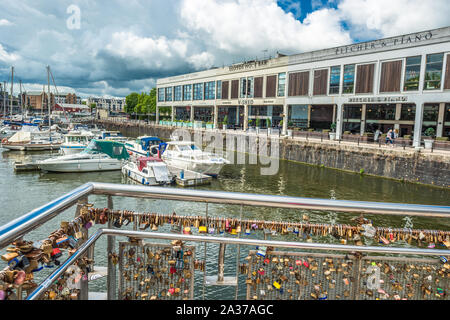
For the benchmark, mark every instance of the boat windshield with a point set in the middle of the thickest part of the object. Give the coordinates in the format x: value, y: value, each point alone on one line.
x: 188, y: 147
x: 113, y: 149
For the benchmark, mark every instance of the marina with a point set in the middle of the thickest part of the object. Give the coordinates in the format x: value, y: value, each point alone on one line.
x: 183, y: 166
x: 273, y: 223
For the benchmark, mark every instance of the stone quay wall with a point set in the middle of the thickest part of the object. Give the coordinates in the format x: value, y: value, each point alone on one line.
x: 404, y: 165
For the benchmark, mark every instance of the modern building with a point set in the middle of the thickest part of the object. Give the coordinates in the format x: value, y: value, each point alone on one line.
x: 400, y: 82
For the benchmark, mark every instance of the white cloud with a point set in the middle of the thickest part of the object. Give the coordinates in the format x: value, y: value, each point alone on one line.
x: 7, y: 57
x: 390, y: 18
x: 204, y: 60
x: 126, y: 45
x: 4, y: 22
x: 248, y: 26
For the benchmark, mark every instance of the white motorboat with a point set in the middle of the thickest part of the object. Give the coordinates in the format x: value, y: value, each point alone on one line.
x: 75, y: 142
x: 31, y: 139
x: 142, y: 146
x: 149, y: 171
x: 186, y: 155
x: 99, y: 155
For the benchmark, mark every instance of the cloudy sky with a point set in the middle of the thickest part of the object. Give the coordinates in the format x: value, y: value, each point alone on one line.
x: 120, y: 46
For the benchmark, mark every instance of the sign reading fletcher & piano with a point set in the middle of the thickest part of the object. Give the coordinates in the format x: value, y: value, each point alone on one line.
x: 392, y: 42
x: 378, y: 99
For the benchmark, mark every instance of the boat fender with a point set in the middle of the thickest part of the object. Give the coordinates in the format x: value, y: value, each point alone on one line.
x: 4, y: 140
x: 129, y: 173
x: 143, y: 181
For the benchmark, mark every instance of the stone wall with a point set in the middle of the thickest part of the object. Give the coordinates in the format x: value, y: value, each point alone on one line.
x: 405, y: 165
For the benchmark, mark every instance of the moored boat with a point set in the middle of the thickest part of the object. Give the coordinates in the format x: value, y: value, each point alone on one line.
x: 150, y: 171
x: 99, y: 155
x: 186, y: 155
x: 142, y: 146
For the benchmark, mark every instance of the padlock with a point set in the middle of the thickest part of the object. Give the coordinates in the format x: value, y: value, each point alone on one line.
x: 56, y: 253
x: 202, y: 229
x: 276, y: 285
x: 262, y: 251
x: 9, y: 256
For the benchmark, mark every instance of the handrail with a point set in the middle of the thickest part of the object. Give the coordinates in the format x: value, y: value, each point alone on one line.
x: 35, y: 218
x: 37, y: 293
x: 20, y: 226
x: 274, y: 201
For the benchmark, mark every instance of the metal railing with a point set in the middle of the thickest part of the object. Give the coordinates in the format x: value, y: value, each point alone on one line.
x: 34, y: 219
x: 220, y: 240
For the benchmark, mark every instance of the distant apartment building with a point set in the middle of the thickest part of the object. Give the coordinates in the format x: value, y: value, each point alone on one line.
x: 37, y: 100
x: 112, y: 105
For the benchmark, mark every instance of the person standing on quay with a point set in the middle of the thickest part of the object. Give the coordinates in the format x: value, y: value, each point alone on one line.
x: 390, y: 137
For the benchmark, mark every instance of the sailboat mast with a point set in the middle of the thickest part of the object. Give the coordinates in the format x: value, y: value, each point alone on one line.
x: 21, y: 102
x: 12, y: 88
x: 49, y: 104
x: 4, y: 99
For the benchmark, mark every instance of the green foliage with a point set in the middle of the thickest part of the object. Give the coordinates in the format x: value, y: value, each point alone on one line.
x: 290, y: 124
x: 143, y: 103
x: 361, y: 171
x: 131, y: 102
x: 225, y: 120
x: 269, y: 123
x: 333, y: 126
x: 258, y: 122
x: 93, y: 106
x: 430, y: 132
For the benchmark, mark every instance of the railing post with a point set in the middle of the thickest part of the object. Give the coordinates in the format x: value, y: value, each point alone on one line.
x: 111, y: 280
x: 221, y: 268
x: 84, y: 283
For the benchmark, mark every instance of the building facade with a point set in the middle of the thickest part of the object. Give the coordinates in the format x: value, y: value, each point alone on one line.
x: 37, y: 100
x: 112, y: 105
x: 400, y: 83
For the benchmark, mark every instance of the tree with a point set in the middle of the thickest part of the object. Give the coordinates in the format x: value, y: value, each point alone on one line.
x: 93, y: 106
x: 131, y: 102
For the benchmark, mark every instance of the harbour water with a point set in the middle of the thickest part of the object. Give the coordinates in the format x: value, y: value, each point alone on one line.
x: 21, y: 193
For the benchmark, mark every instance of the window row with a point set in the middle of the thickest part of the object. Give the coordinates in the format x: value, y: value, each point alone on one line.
x: 394, y: 76
x: 250, y: 87
x: 357, y: 79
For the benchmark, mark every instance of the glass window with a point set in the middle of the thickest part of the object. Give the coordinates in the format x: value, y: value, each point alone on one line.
x: 169, y: 94
x: 219, y: 90
x: 243, y: 87
x: 161, y: 95
x: 430, y: 112
x: 210, y: 90
x: 335, y: 79
x: 447, y: 112
x: 349, y: 78
x: 433, y: 72
x: 380, y: 112
x: 353, y: 112
x: 250, y: 87
x: 408, y: 112
x: 198, y: 91
x: 412, y: 73
x: 177, y: 93
x: 281, y: 84
x: 187, y: 92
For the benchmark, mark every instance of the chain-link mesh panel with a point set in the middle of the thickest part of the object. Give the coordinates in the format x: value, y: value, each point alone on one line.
x: 150, y: 271
x: 396, y: 278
